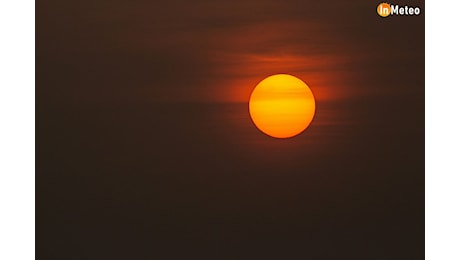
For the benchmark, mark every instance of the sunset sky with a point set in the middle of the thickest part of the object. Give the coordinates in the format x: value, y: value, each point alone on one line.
x: 145, y: 147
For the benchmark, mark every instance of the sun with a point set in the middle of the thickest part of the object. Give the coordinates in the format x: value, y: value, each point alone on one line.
x: 282, y: 106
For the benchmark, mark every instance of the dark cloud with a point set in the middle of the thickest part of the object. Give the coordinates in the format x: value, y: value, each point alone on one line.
x: 178, y: 50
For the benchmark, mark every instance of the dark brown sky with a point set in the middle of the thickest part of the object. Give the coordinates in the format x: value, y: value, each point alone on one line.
x: 145, y: 149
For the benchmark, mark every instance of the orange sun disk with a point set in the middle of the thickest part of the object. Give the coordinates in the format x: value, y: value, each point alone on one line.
x: 282, y: 106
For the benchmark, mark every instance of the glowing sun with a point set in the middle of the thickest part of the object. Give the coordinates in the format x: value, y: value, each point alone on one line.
x: 282, y: 106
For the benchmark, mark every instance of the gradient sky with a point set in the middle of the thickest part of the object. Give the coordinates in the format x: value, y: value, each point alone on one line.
x: 145, y: 148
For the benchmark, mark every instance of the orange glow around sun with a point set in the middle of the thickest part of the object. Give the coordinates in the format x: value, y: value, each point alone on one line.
x: 282, y: 106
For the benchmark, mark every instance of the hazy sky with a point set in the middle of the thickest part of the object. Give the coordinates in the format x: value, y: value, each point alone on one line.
x: 145, y: 147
